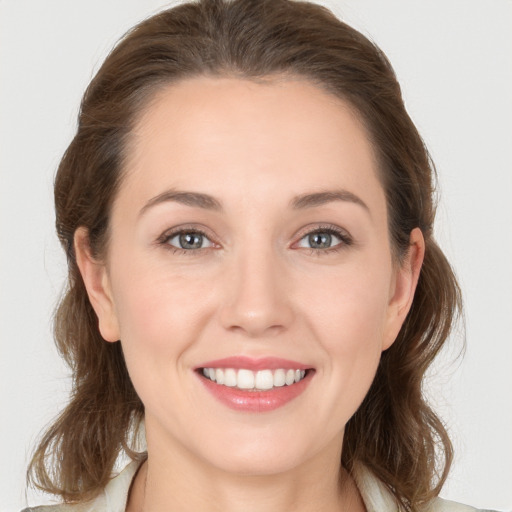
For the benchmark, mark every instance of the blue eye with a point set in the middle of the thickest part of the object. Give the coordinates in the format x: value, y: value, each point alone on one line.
x: 323, y: 239
x: 189, y: 240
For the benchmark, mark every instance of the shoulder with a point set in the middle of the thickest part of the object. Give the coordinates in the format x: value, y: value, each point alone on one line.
x: 438, y: 505
x: 377, y: 497
x: 441, y: 505
x: 59, y: 508
x: 65, y: 507
x: 112, y: 499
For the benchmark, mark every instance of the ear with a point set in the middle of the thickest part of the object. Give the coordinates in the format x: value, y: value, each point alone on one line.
x: 403, y: 287
x: 97, y: 283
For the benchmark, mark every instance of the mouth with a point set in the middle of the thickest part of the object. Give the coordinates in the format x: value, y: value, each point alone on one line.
x: 254, y: 385
x: 248, y: 380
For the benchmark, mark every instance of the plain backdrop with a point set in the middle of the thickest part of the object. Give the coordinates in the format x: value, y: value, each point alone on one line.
x: 454, y: 61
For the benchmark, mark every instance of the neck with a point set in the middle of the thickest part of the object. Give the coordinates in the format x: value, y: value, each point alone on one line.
x: 179, y: 482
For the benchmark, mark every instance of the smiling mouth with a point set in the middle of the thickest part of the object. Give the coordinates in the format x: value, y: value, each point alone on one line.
x: 248, y: 380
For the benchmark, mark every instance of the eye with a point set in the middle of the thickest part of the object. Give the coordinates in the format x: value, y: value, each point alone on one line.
x: 319, y: 240
x: 324, y: 239
x: 189, y: 240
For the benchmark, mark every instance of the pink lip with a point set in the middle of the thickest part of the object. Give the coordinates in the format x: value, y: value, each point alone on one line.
x: 255, y: 401
x: 249, y: 363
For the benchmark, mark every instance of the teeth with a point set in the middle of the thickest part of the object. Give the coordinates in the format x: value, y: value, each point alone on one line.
x: 279, y: 378
x: 230, y: 377
x: 260, y: 380
x: 264, y: 380
x: 245, y: 379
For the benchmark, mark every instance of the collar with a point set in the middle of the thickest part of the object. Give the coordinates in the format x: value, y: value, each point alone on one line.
x: 375, y: 494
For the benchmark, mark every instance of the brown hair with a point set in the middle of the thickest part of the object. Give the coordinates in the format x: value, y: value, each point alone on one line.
x: 394, y: 432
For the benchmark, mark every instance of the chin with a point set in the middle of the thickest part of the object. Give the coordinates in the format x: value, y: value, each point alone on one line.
x: 263, y: 453
x: 270, y: 464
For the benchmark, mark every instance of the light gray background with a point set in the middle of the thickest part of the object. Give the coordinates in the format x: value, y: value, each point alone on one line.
x: 454, y: 61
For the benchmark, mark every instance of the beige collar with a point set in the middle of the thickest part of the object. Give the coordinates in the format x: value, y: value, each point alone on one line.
x: 376, y: 496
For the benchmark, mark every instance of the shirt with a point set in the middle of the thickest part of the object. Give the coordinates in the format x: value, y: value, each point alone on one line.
x: 376, y: 496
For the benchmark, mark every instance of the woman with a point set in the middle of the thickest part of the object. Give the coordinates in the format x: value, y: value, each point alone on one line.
x: 247, y: 213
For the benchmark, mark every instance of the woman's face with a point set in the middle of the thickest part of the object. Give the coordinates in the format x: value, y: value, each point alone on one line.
x: 249, y: 242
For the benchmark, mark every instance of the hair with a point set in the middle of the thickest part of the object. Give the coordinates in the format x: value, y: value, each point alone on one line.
x: 394, y: 432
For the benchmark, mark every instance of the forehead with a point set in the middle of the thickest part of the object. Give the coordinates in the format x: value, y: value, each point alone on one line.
x: 208, y: 133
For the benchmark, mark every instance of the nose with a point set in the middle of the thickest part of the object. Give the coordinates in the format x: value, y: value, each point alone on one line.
x: 257, y: 301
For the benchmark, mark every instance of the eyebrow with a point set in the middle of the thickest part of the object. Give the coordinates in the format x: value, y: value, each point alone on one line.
x: 194, y: 199
x: 329, y: 196
x: 207, y: 202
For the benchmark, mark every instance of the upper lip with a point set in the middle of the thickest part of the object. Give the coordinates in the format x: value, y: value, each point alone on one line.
x: 254, y: 364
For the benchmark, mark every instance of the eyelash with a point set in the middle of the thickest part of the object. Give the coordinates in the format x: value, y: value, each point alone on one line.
x: 346, y: 240
x: 169, y: 235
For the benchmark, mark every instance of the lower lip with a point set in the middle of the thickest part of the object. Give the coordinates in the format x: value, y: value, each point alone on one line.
x: 256, y: 401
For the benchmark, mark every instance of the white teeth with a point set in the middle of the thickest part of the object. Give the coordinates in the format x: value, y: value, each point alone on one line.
x: 246, y: 379
x: 229, y: 377
x: 264, y: 380
x: 290, y: 377
x: 280, y: 378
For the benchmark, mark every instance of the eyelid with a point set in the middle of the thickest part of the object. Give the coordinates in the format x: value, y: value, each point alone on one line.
x: 178, y: 235
x: 342, y: 234
x: 168, y: 234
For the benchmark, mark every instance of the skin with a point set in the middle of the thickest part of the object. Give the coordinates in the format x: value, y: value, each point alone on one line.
x: 255, y: 288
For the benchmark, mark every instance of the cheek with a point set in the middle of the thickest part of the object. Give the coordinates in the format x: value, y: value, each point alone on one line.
x: 159, y: 312
x: 348, y: 316
x: 352, y: 303
x: 161, y: 315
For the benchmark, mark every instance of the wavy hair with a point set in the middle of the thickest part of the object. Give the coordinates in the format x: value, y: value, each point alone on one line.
x: 394, y: 432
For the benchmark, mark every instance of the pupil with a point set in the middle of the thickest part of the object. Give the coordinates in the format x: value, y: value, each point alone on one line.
x: 191, y: 241
x: 320, y: 240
